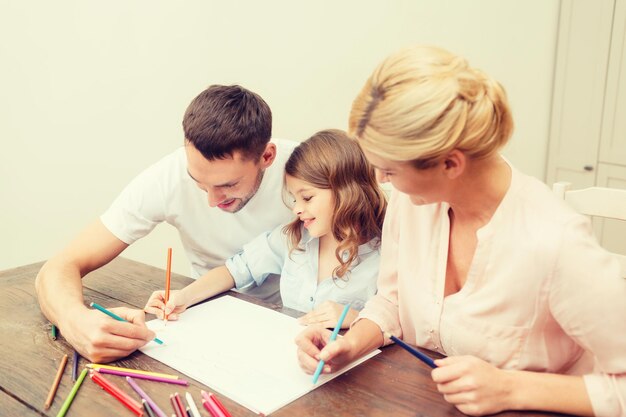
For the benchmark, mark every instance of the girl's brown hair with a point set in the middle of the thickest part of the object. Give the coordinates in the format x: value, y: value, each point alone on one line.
x: 331, y: 160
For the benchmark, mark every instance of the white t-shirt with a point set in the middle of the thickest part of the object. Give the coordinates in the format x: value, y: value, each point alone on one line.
x: 165, y: 193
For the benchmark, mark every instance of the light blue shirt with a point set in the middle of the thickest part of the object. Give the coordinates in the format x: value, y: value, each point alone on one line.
x: 269, y: 254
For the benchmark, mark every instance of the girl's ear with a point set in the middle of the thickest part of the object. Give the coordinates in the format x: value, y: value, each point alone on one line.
x: 455, y: 163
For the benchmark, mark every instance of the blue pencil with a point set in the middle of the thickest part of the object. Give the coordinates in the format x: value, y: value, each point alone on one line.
x: 333, y: 336
x: 116, y: 317
x: 419, y: 355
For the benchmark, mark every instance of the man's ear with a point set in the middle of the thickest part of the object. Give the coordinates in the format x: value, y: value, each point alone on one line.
x: 268, y: 156
x: 455, y: 163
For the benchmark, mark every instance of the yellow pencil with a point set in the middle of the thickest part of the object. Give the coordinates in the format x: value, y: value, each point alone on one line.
x: 97, y: 366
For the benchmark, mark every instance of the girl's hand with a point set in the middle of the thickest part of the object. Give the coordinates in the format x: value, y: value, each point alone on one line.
x: 472, y: 385
x: 327, y: 315
x: 175, y: 305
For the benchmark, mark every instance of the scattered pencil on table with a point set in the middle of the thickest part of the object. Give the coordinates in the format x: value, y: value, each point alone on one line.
x: 75, y: 360
x: 213, y: 405
x: 143, y: 376
x: 175, y: 406
x: 70, y: 397
x: 55, y: 384
x: 98, y: 366
x: 168, y: 278
x: 413, y: 351
x: 333, y: 336
x: 117, y: 393
x: 154, y: 408
x: 147, y: 408
x: 192, y: 405
x: 179, y: 403
x: 53, y: 332
x: 116, y: 317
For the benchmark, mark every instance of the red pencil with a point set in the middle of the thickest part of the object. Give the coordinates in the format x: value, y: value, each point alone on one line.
x: 168, y: 276
x: 180, y: 404
x: 120, y: 395
x: 219, y: 404
x: 175, y: 406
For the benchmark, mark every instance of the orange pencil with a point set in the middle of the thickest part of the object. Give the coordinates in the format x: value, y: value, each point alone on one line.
x: 55, y: 384
x: 168, y: 276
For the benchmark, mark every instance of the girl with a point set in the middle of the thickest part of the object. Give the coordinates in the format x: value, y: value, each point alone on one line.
x: 327, y: 256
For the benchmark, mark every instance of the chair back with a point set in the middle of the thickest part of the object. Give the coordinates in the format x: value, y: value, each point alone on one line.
x: 598, y: 202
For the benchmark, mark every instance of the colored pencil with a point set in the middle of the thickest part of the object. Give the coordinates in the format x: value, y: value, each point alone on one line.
x: 208, y: 401
x: 333, y: 336
x: 141, y: 376
x: 179, y: 402
x: 146, y: 407
x: 153, y: 406
x: 55, y: 383
x: 98, y: 366
x: 75, y: 360
x: 212, y: 408
x: 175, y: 406
x: 192, y: 405
x: 419, y: 355
x: 116, y: 317
x: 70, y: 397
x: 116, y: 393
x: 168, y: 277
x: 53, y: 332
x: 219, y: 404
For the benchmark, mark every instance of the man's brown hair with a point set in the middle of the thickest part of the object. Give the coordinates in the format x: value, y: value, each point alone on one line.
x: 227, y: 118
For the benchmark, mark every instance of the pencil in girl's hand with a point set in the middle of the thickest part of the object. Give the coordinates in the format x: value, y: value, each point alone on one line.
x: 53, y: 332
x: 168, y: 277
x: 419, y: 355
x: 55, y: 384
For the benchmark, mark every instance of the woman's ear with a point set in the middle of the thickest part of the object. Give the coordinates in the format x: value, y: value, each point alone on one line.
x: 455, y: 163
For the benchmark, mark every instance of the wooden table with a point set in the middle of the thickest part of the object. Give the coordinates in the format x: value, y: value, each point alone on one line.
x: 392, y: 383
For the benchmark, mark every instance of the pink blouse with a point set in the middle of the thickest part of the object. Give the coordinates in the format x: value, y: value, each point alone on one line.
x: 540, y: 295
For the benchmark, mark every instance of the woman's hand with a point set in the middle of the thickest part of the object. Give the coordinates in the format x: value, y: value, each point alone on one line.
x: 175, y: 305
x: 314, y: 344
x: 472, y: 385
x: 327, y: 315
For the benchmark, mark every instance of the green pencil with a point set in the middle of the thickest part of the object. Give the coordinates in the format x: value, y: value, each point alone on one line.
x: 72, y: 394
x: 116, y: 317
x: 53, y: 332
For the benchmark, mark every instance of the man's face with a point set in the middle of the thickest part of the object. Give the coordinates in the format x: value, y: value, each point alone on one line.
x: 229, y: 183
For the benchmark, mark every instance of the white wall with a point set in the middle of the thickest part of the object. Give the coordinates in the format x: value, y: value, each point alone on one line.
x: 91, y: 92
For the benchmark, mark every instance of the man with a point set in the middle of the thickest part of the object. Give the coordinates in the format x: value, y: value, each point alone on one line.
x: 228, y: 162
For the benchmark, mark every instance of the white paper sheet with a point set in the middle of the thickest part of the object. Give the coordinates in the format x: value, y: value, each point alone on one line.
x: 243, y: 351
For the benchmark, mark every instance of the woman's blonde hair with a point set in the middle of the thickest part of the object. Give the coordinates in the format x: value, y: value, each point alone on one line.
x: 331, y: 160
x: 423, y: 102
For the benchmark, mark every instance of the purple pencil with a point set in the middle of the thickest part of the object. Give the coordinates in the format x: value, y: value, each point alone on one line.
x: 145, y: 396
x: 143, y: 376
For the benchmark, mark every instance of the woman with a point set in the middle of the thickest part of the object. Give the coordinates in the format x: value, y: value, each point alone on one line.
x: 478, y: 261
